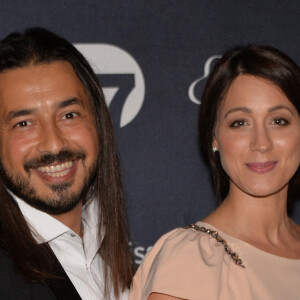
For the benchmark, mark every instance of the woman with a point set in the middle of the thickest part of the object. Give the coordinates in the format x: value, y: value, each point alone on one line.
x: 248, y: 248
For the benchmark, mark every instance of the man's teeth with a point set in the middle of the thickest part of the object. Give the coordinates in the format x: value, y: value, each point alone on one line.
x: 57, y: 170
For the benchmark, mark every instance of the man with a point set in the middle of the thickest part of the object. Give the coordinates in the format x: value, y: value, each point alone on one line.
x: 62, y: 226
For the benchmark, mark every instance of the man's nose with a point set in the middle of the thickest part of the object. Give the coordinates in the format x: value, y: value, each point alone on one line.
x: 51, y: 139
x: 261, y: 139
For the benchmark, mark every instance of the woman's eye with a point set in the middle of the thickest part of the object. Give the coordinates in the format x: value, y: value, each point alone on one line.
x: 238, y: 123
x: 70, y: 115
x: 280, y: 121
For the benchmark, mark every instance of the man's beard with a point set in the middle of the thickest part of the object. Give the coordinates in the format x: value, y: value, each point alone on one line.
x: 63, y: 199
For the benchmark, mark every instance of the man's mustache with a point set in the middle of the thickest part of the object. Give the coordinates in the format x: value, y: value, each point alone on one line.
x: 47, y: 159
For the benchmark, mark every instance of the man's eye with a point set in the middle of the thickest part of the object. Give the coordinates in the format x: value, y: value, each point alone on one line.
x: 280, y: 122
x: 238, y: 123
x: 22, y: 124
x: 70, y: 115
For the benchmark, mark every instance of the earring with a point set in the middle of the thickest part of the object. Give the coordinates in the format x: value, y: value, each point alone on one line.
x: 214, y: 149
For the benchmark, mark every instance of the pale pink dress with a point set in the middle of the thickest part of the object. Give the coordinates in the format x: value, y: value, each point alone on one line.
x: 190, y: 264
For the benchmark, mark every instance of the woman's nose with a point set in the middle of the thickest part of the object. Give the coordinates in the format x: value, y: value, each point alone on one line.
x: 261, y: 140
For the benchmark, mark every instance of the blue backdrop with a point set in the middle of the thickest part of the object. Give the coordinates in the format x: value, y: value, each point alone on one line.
x: 152, y: 58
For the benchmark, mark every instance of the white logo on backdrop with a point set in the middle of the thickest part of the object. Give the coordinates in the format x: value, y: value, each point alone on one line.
x: 207, y: 67
x: 120, y: 76
x: 139, y: 252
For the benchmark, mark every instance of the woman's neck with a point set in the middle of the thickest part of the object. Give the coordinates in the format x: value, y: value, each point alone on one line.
x: 260, y: 221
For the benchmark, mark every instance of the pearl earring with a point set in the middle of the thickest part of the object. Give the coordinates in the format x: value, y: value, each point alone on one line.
x: 214, y: 149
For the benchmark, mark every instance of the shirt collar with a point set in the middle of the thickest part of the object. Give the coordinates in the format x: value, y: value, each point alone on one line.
x: 45, y: 228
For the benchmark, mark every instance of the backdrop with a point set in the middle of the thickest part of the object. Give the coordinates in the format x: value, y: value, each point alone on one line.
x: 152, y: 58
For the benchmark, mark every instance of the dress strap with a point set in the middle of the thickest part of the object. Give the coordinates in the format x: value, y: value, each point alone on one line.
x: 234, y: 255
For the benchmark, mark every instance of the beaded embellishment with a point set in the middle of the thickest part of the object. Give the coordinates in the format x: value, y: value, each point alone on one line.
x: 234, y: 256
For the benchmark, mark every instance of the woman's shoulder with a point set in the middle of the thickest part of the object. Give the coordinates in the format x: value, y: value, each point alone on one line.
x: 198, y: 243
x: 184, y: 240
x: 179, y: 261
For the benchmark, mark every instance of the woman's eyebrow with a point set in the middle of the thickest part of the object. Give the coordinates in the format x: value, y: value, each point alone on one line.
x: 243, y: 109
x: 247, y: 110
x: 278, y: 107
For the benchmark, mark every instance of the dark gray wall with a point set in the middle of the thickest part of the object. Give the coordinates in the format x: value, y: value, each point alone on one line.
x: 168, y: 42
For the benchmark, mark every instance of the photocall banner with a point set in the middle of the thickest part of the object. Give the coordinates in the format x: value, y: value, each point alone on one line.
x: 152, y: 59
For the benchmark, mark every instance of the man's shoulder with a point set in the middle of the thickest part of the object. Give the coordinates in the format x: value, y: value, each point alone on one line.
x: 7, y: 268
x: 15, y: 286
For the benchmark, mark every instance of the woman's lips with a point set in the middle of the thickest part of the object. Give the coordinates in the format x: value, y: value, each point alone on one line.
x: 262, y: 167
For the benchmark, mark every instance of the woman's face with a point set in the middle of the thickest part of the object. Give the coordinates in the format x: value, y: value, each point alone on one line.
x: 258, y: 136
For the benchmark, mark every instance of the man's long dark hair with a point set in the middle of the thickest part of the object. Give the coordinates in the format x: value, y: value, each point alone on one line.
x: 39, y: 46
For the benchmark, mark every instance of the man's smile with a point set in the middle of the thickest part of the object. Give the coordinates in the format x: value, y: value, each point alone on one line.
x: 58, y: 170
x: 62, y: 171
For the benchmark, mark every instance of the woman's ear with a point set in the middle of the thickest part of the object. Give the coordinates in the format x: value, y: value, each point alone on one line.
x: 215, y: 146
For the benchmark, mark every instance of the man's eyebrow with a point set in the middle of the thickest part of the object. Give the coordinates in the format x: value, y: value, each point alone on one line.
x: 24, y: 112
x: 243, y: 109
x: 19, y: 113
x: 69, y: 102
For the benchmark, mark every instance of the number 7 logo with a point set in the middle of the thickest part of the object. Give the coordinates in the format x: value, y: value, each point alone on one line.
x: 121, y: 78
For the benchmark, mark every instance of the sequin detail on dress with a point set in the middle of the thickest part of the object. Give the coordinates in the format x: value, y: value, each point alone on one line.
x: 219, y: 239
